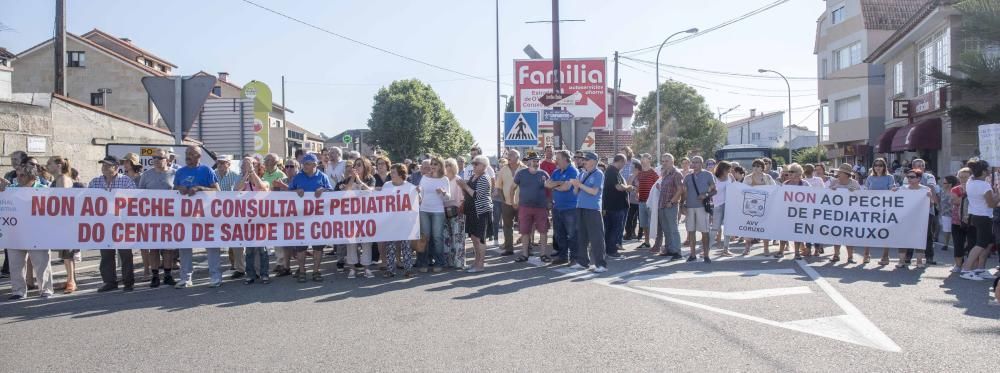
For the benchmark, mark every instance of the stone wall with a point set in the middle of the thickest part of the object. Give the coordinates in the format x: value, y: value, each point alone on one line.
x: 72, y: 129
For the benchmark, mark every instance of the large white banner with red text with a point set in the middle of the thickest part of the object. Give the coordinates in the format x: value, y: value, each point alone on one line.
x: 162, y: 219
x: 863, y: 218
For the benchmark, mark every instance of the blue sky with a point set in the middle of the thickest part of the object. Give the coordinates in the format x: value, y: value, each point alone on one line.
x: 331, y: 81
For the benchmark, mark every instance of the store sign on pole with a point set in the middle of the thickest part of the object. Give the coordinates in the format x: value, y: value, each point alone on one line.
x: 583, y: 79
x: 261, y: 96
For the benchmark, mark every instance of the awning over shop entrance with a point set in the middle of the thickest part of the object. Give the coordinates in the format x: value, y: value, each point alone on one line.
x: 884, y: 143
x: 923, y: 135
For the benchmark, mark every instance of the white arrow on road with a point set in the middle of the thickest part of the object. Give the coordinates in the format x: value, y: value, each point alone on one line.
x: 589, y: 109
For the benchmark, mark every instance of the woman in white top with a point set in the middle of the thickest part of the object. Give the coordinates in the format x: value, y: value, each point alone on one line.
x: 982, y: 199
x: 757, y: 177
x: 913, y: 183
x: 358, y: 177
x: 819, y: 171
x: 434, y: 189
x: 397, y: 180
x: 454, y: 226
x: 845, y: 182
x: 722, y: 180
x: 810, y: 176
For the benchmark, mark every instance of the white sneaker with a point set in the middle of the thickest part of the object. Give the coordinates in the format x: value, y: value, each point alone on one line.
x: 351, y: 274
x: 592, y: 268
x: 956, y: 269
x: 985, y: 274
x: 600, y: 270
x: 369, y: 274
x: 183, y: 284
x: 577, y: 266
x: 971, y: 276
x: 535, y: 261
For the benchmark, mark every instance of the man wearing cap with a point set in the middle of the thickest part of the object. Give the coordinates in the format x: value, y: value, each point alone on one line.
x: 111, y: 179
x: 309, y: 180
x: 189, y: 180
x: 563, y: 208
x: 699, y: 186
x: 172, y: 159
x: 160, y: 177
x: 509, y: 192
x: 227, y: 183
x: 532, y: 207
x: 590, y: 226
x: 615, y: 203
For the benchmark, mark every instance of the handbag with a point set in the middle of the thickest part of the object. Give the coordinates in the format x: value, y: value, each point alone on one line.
x: 707, y: 202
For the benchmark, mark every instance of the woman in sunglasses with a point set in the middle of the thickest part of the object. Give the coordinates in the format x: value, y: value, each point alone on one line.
x: 913, y: 183
x: 758, y: 176
x: 880, y: 179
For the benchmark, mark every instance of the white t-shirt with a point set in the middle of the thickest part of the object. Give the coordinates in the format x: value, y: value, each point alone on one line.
x: 719, y: 198
x: 816, y: 182
x: 976, y: 189
x: 431, y: 201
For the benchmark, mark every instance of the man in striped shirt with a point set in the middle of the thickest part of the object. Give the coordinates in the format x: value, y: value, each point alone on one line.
x: 227, y: 183
x: 111, y: 179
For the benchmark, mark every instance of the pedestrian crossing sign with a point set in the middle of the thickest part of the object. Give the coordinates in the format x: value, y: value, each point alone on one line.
x: 520, y: 129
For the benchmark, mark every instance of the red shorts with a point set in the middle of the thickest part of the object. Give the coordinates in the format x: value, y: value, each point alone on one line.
x: 532, y: 217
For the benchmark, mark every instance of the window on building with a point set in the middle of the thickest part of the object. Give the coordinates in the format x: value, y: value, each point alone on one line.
x: 897, y: 78
x: 217, y: 90
x: 837, y: 15
x: 97, y: 99
x: 933, y: 54
x: 847, y: 109
x: 847, y: 56
x: 755, y: 136
x: 76, y: 59
x: 149, y: 63
x: 163, y: 68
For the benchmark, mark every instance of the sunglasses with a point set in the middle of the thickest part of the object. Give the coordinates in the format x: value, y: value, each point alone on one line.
x: 879, y: 165
x: 911, y: 176
x: 289, y: 166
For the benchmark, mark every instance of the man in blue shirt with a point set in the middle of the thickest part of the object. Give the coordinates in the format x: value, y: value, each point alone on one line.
x: 310, y: 179
x: 590, y: 225
x: 189, y: 180
x: 563, y: 207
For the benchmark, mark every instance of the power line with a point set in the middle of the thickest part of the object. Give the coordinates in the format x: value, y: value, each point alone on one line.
x: 331, y: 84
x: 710, y: 29
x: 735, y: 86
x: 719, y: 90
x: 744, y: 75
x: 386, y: 51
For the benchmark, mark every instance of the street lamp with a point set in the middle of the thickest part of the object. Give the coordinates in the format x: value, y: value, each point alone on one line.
x: 659, y: 153
x: 499, y: 129
x: 788, y: 144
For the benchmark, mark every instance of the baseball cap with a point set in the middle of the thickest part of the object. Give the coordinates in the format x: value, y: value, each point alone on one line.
x: 132, y: 157
x: 109, y: 160
x: 309, y: 158
x: 591, y: 156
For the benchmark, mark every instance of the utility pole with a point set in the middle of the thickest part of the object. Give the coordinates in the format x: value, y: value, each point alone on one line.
x: 556, y: 78
x: 819, y: 131
x: 60, y: 48
x: 284, y: 109
x: 614, y: 110
x: 497, y: 99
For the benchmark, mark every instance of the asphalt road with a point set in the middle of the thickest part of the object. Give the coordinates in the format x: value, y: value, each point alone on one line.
x: 644, y: 314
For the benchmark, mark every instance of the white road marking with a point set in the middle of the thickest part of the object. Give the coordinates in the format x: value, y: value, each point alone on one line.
x: 732, y: 295
x: 700, y: 274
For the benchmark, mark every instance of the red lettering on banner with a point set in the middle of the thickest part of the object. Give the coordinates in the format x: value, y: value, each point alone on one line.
x: 52, y: 206
x: 192, y: 208
x: 248, y: 232
x: 143, y: 206
x: 90, y: 233
x: 151, y: 232
x: 800, y: 197
x: 203, y: 232
x: 407, y: 204
x: 342, y: 229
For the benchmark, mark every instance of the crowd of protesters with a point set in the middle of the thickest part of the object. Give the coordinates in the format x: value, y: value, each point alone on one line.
x: 569, y: 209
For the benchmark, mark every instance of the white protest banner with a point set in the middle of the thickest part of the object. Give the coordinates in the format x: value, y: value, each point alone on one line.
x: 162, y: 219
x: 864, y: 218
x: 989, y: 143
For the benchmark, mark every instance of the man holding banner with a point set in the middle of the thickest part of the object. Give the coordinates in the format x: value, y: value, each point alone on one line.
x: 111, y: 179
x: 189, y: 180
x: 160, y: 177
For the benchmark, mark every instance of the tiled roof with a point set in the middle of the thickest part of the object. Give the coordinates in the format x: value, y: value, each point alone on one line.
x: 140, y: 51
x: 94, y: 45
x: 889, y: 14
x: 4, y: 53
x: 919, y: 14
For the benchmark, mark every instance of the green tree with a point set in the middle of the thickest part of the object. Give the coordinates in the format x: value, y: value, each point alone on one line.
x: 409, y: 119
x: 810, y: 155
x: 687, y: 124
x: 510, y: 105
x: 977, y: 71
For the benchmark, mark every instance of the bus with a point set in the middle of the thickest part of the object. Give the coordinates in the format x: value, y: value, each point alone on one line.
x: 744, y: 154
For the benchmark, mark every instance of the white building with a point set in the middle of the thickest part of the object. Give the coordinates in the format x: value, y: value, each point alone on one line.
x: 762, y: 130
